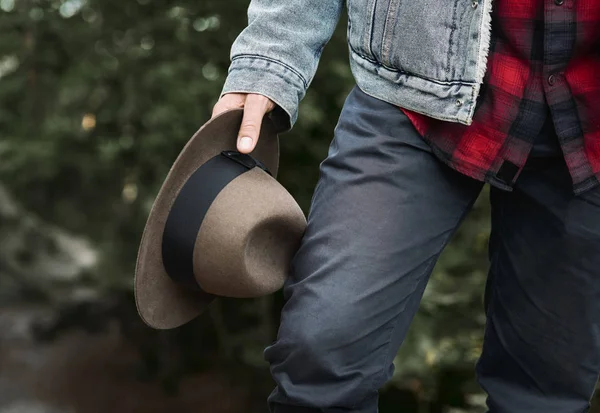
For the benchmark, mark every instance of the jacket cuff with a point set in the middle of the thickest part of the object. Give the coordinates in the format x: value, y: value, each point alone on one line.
x: 275, y: 80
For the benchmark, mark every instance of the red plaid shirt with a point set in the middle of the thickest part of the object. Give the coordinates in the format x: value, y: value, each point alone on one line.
x: 545, y: 54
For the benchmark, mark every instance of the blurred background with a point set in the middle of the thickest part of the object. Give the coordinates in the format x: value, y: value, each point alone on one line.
x: 97, y: 98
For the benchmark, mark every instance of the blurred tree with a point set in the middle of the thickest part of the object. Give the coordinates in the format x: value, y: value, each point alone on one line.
x: 97, y: 99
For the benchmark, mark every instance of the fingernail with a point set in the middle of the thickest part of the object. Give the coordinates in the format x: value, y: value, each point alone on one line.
x: 245, y: 143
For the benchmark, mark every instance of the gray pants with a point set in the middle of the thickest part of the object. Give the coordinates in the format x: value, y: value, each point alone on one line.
x: 383, y: 210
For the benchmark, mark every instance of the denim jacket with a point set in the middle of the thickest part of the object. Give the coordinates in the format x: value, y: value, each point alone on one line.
x: 428, y: 56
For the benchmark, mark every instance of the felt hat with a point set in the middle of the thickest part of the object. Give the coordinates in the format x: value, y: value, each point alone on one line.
x: 221, y: 225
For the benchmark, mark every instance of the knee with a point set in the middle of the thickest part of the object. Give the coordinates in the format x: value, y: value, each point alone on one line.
x: 325, y: 339
x: 328, y: 354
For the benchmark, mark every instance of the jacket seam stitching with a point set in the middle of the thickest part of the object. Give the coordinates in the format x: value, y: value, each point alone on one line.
x: 369, y: 39
x: 444, y: 83
x: 452, y: 34
x: 386, y: 41
x: 279, y: 76
x: 270, y: 59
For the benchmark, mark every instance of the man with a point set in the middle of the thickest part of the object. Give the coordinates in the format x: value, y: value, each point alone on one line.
x: 504, y: 93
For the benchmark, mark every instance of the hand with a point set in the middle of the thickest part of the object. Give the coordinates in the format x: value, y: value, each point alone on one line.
x: 255, y: 107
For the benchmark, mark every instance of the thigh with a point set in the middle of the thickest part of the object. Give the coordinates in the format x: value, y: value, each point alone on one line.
x: 381, y: 213
x: 542, y: 343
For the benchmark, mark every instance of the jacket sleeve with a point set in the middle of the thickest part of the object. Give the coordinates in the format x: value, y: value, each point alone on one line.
x: 277, y: 54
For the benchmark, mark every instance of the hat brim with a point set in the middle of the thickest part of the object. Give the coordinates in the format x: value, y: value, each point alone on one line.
x: 162, y: 303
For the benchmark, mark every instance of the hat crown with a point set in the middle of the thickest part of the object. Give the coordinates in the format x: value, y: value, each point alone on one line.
x: 190, y: 206
x: 248, y: 237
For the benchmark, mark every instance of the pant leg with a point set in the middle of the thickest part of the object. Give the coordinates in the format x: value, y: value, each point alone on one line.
x: 541, y: 350
x: 383, y: 209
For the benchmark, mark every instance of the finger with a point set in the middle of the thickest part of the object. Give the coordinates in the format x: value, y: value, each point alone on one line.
x: 228, y: 102
x: 254, y: 110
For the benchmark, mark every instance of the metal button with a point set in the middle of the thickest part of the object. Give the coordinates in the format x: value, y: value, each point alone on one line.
x: 551, y: 80
x: 458, y: 102
x: 559, y: 2
x: 476, y: 3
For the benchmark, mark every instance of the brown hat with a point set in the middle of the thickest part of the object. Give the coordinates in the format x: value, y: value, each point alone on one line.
x: 221, y: 225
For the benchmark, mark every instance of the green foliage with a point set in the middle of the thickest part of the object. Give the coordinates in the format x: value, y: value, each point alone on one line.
x: 98, y: 99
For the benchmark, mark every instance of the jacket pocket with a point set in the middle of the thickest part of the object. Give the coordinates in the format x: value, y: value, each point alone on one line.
x: 417, y: 37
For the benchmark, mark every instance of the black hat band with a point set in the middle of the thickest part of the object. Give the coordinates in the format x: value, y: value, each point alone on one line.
x: 190, y: 207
